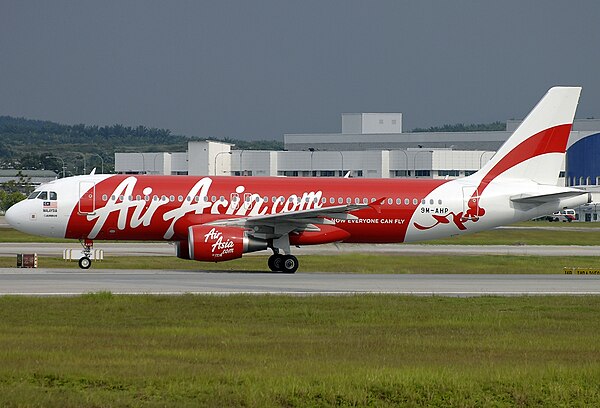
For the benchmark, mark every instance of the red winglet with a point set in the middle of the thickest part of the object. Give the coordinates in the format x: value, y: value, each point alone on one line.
x: 376, y: 205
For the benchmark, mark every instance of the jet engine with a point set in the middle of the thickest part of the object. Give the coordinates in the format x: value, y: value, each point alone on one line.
x: 216, y: 244
x: 182, y: 249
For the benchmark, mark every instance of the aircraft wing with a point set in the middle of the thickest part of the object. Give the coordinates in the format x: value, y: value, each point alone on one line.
x: 277, y: 224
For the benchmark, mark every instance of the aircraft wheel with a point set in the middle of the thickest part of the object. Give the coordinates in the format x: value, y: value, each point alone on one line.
x: 290, y: 264
x: 85, y: 262
x: 275, y: 262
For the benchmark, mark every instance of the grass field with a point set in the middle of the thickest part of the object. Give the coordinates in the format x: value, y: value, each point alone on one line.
x: 106, y: 350
x: 586, y: 234
x: 347, y: 263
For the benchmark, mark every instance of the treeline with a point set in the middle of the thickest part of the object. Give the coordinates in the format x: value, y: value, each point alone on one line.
x: 29, y: 131
x: 461, y: 127
x: 36, y: 144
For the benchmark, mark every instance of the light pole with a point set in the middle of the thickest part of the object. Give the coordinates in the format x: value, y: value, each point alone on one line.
x: 341, y: 154
x: 241, y: 154
x: 312, y: 151
x: 406, y: 174
x: 154, y: 166
x: 84, y: 163
x: 481, y: 158
x: 217, y: 155
x: 101, y: 161
x: 415, y: 159
x: 63, y: 163
x: 143, y: 163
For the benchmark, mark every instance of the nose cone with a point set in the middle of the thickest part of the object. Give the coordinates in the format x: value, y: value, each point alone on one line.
x: 14, y: 216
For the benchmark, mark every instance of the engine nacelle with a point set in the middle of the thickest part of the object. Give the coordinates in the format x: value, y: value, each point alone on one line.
x: 182, y: 250
x: 216, y: 244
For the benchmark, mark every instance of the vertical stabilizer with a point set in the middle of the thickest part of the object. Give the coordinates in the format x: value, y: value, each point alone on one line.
x: 536, y: 150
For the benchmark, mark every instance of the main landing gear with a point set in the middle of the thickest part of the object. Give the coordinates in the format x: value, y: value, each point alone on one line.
x: 86, y: 260
x: 283, y: 263
x: 286, y: 262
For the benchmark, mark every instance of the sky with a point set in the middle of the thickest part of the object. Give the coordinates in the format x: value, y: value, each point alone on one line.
x: 260, y: 69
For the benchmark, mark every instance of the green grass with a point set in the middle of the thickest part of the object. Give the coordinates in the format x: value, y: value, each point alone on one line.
x: 541, y: 224
x: 523, y: 237
x: 12, y: 235
x: 347, y: 263
x: 106, y: 350
x: 562, y: 236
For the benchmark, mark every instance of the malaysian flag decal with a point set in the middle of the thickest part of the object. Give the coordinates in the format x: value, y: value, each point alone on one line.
x: 50, y: 204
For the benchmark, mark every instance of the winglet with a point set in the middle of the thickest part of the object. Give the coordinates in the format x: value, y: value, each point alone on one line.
x: 376, y: 205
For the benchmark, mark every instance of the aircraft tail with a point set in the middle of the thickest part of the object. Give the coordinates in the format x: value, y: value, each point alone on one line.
x: 536, y: 150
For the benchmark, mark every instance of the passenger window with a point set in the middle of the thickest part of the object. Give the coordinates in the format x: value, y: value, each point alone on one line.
x: 398, y: 201
x: 390, y: 201
x: 43, y: 195
x: 406, y: 201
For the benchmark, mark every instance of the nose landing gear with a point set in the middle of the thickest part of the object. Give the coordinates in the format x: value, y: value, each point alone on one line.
x: 86, y: 260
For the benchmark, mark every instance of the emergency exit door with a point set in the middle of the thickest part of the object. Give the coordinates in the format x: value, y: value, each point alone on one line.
x: 87, y: 197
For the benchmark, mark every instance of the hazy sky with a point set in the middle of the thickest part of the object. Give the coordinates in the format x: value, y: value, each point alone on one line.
x: 259, y: 69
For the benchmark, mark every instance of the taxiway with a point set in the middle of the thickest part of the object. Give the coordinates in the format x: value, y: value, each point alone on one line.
x: 48, y: 282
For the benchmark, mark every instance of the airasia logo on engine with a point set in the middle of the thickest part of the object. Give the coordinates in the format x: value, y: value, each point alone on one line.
x: 215, y: 244
x: 220, y: 246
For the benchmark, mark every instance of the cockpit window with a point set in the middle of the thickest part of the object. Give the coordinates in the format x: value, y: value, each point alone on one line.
x: 33, y: 195
x: 43, y: 196
x: 52, y: 195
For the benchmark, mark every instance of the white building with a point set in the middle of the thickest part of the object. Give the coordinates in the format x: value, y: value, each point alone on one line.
x: 214, y: 158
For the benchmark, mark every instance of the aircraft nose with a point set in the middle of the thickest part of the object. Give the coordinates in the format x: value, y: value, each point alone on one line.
x: 14, y: 215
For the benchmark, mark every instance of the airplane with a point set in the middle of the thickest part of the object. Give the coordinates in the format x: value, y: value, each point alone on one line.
x: 217, y: 219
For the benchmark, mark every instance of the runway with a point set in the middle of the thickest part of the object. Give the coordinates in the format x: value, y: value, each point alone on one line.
x: 50, y: 282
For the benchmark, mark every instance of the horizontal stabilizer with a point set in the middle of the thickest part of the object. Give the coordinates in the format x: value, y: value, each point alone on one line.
x: 545, y: 198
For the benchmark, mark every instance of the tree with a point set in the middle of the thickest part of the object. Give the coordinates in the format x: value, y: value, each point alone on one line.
x: 9, y: 199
